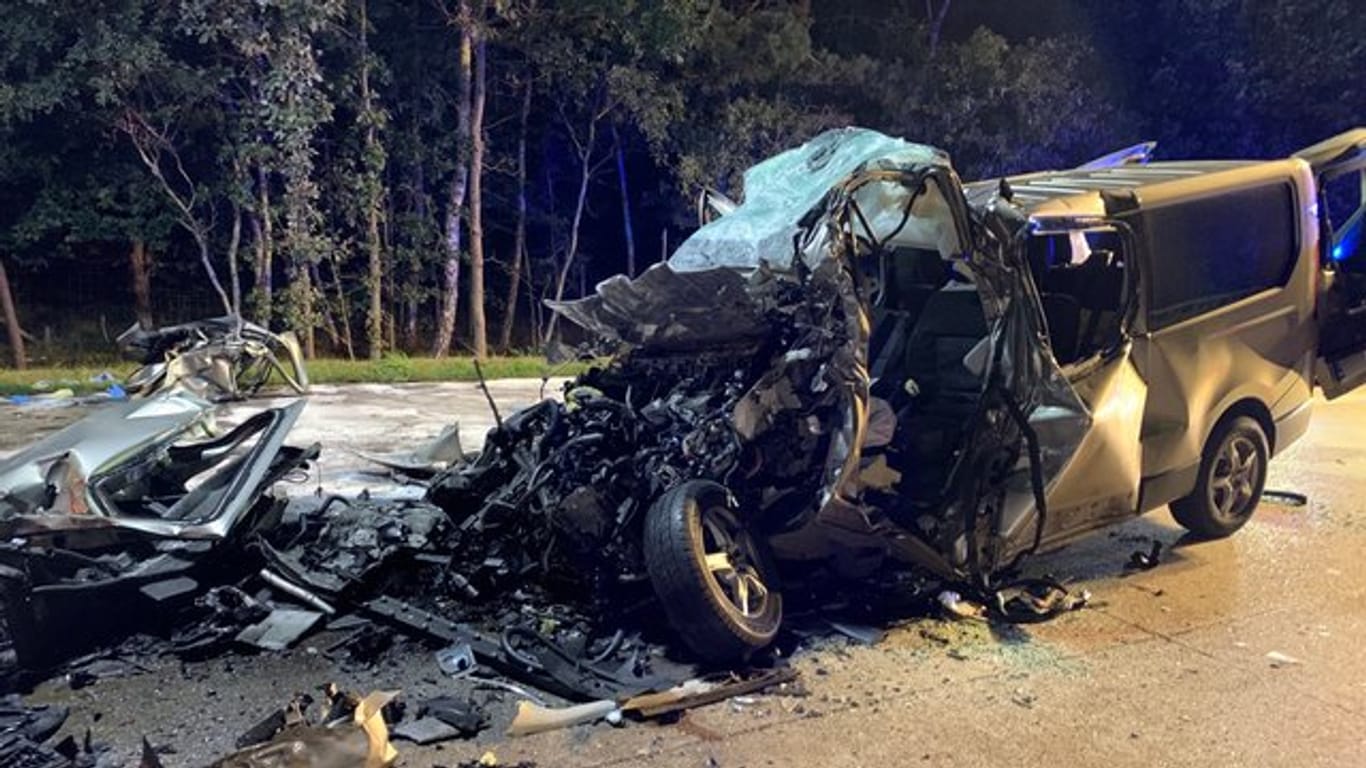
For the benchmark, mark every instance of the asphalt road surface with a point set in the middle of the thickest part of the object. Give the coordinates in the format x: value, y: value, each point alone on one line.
x: 1168, y: 667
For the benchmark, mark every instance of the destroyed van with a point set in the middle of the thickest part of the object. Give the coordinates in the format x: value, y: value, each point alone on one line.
x: 990, y: 370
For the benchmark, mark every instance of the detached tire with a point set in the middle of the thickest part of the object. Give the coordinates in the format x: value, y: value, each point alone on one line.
x: 710, y: 574
x: 1232, y: 477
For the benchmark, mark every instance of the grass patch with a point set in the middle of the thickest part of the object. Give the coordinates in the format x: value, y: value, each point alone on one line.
x: 389, y: 369
x: 400, y: 368
x: 48, y: 378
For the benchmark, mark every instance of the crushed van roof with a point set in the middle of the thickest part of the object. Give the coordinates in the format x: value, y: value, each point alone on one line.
x: 1032, y: 190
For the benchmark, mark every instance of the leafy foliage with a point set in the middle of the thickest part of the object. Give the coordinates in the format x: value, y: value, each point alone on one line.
x: 282, y: 166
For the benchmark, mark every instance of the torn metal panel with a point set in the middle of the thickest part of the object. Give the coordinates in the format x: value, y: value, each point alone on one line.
x: 127, y: 468
x: 222, y: 358
x: 671, y: 309
x: 441, y: 453
x: 1101, y: 483
x: 68, y: 457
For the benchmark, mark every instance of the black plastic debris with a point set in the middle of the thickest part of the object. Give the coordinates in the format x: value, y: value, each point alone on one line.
x: 442, y: 719
x: 280, y: 629
x: 456, y: 659
x: 263, y: 729
x: 334, y: 543
x: 25, y: 731
x: 1145, y: 561
x: 425, y: 730
x: 36, y: 723
x: 224, y: 612
x: 1035, y: 600
x: 463, y: 715
x: 1284, y: 498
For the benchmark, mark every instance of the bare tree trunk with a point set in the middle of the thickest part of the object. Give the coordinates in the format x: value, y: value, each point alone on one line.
x: 628, y: 230
x: 265, y: 250
x: 391, y: 300
x: 321, y: 311
x: 140, y: 263
x: 201, y: 238
x: 16, y: 333
x: 586, y: 171
x: 374, y: 316
x: 935, y: 16
x: 234, y: 244
x: 478, y: 323
x: 303, y: 304
x: 151, y: 145
x: 412, y: 276
x: 519, y: 237
x: 343, y: 310
x: 533, y: 307
x: 451, y: 301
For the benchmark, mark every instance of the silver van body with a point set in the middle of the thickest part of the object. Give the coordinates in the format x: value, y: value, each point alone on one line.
x: 985, y: 370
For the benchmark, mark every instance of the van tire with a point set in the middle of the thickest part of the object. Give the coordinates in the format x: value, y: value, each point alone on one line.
x: 704, y: 564
x: 1232, y: 477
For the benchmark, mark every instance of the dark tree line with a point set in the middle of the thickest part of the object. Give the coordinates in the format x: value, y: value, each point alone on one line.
x: 420, y: 176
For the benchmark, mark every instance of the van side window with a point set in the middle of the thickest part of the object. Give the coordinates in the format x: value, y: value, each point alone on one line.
x: 1207, y: 253
x: 1080, y: 278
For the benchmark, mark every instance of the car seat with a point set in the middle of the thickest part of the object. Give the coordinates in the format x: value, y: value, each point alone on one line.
x: 950, y: 326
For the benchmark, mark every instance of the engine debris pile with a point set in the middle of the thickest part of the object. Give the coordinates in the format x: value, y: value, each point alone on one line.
x: 558, y: 494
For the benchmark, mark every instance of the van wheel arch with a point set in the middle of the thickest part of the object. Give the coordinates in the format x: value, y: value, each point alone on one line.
x: 1254, y: 409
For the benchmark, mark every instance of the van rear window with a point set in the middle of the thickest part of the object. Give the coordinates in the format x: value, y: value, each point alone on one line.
x: 1211, y: 252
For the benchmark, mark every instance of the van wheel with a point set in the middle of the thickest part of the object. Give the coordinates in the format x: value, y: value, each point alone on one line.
x: 1232, y: 476
x: 710, y: 573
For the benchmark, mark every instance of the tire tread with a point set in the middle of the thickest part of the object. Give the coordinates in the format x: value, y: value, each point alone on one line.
x: 683, y: 588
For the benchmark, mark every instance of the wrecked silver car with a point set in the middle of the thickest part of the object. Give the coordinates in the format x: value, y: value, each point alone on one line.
x: 106, y: 521
x: 868, y: 360
x: 222, y: 358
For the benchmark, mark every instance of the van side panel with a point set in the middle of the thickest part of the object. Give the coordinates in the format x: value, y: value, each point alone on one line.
x: 1259, y: 347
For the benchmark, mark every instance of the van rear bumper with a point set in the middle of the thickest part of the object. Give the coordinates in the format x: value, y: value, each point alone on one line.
x: 1292, y: 426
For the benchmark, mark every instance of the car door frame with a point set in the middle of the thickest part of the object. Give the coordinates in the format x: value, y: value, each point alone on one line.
x: 1340, y: 298
x: 1114, y: 395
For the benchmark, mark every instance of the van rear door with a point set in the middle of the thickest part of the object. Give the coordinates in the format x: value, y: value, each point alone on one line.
x: 1339, y: 166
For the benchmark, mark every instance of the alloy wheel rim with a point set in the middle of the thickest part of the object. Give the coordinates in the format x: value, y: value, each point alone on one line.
x: 1234, y: 477
x: 731, y: 563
